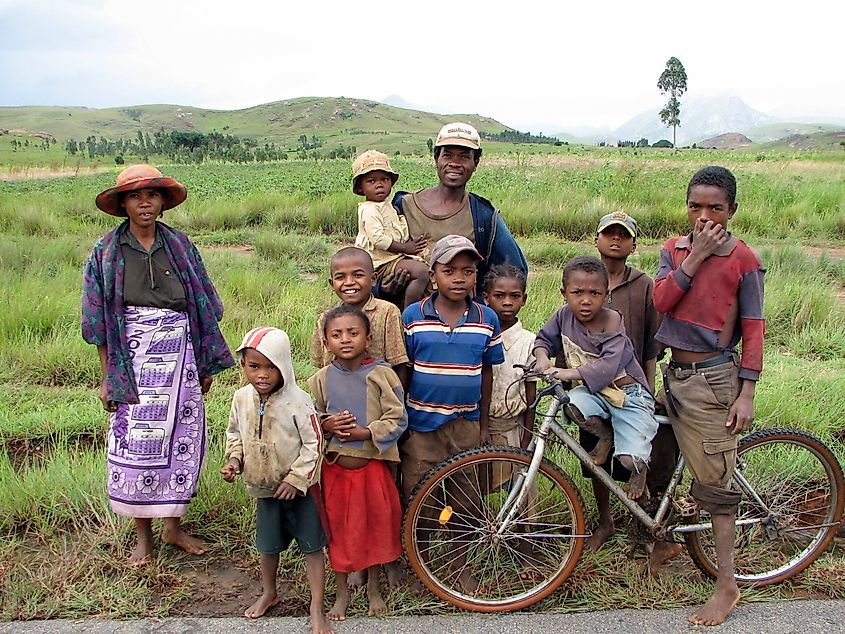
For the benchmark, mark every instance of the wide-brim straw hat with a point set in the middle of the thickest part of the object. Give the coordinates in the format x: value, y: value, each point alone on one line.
x: 370, y: 161
x: 139, y: 177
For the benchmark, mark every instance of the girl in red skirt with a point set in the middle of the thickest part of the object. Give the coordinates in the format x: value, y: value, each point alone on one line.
x: 365, y: 408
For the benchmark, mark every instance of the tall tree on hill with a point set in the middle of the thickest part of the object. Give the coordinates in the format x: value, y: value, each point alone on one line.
x: 672, y: 82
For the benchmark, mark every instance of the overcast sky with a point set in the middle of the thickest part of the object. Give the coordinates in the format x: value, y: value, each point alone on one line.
x: 538, y: 66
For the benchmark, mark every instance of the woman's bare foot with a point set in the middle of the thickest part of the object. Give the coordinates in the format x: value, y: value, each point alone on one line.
x: 659, y: 554
x: 602, y: 533
x: 319, y: 624
x: 260, y: 607
x: 717, y: 608
x: 142, y: 554
x: 182, y: 540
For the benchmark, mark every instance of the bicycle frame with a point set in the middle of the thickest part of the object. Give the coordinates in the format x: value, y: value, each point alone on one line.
x: 538, y: 444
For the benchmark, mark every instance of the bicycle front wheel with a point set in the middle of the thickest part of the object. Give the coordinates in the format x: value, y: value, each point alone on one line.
x: 462, y: 548
x: 790, y: 508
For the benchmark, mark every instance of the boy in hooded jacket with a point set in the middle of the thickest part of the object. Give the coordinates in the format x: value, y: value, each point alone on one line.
x: 274, y: 441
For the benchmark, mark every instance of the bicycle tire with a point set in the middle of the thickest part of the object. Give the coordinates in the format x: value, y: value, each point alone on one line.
x: 514, y: 570
x: 806, y: 499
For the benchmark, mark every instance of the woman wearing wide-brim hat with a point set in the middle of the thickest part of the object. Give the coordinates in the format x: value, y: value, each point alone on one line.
x: 152, y: 311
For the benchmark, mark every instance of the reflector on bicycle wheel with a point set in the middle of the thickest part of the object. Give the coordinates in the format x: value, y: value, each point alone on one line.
x: 445, y: 515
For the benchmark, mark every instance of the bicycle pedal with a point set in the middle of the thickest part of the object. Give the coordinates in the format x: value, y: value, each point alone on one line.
x: 685, y: 507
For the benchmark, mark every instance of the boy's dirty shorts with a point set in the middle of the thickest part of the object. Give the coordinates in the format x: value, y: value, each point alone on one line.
x: 703, y: 397
x: 422, y: 450
x: 280, y: 521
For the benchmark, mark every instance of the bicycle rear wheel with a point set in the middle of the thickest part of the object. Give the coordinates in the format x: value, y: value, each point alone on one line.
x: 801, y: 494
x: 453, y: 539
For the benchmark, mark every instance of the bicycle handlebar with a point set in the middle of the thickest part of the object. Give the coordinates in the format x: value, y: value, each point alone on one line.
x: 554, y: 388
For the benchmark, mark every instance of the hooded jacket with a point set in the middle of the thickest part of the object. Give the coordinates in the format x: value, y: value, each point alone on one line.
x: 282, y: 442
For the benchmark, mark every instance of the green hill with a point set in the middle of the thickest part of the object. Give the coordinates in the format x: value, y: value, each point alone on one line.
x: 336, y: 121
x: 779, y: 131
x: 833, y: 140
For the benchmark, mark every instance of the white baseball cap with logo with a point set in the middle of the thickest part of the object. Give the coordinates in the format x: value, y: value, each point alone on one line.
x: 459, y: 133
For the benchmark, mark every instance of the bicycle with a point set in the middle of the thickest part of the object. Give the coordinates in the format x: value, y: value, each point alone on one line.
x: 519, y: 540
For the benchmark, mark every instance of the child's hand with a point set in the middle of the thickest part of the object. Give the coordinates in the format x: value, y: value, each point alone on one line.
x: 357, y: 433
x: 415, y: 245
x: 286, y: 491
x: 340, y: 424
x: 230, y: 471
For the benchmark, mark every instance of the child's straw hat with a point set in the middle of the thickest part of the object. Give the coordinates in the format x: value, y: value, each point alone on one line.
x: 370, y: 161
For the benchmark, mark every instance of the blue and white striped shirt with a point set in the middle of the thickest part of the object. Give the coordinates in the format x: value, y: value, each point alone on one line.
x: 446, y: 362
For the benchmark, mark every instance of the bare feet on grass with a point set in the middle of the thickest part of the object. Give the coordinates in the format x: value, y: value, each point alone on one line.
x: 260, y: 607
x: 660, y: 553
x: 377, y: 606
x: 179, y: 538
x: 142, y: 554
x: 717, y: 608
x: 603, y: 532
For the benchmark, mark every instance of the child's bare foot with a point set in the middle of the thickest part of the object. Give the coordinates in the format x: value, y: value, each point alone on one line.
x: 717, y: 608
x: 468, y: 583
x: 357, y: 579
x: 417, y: 588
x: 394, y: 573
x: 602, y: 430
x: 635, y: 488
x: 260, y: 607
x: 182, y: 540
x: 338, y: 611
x: 142, y: 554
x: 660, y: 553
x: 319, y: 624
x: 602, y: 533
x: 377, y: 606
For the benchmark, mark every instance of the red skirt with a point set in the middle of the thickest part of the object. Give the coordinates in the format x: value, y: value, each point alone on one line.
x: 364, y: 515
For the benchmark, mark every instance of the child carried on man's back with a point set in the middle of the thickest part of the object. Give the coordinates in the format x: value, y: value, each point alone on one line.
x: 600, y: 355
x: 366, y: 416
x: 273, y: 440
x: 382, y: 232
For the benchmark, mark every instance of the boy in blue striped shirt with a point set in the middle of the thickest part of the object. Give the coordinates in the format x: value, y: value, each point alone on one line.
x: 453, y: 343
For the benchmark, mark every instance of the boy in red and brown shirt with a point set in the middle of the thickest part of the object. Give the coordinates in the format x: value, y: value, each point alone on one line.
x: 709, y: 286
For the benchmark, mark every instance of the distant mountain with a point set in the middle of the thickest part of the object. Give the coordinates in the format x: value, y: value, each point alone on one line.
x: 701, y: 118
x: 336, y: 121
x: 398, y: 102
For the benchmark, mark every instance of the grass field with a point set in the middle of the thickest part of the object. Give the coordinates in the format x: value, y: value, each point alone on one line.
x: 265, y: 232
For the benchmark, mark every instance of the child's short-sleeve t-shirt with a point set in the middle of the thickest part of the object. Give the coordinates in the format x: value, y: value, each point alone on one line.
x: 446, y: 362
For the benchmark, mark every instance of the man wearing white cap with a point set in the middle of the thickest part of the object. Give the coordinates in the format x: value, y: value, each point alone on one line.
x: 448, y: 209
